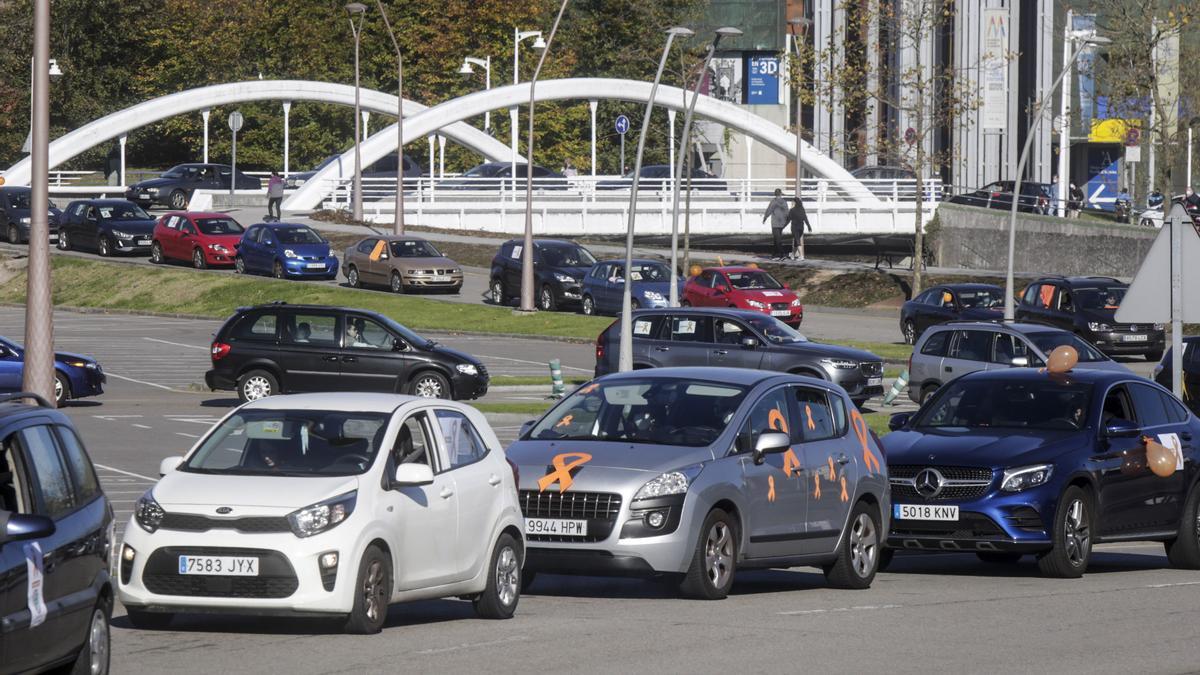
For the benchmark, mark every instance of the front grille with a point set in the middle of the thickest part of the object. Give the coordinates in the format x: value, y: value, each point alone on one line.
x: 781, y: 305
x: 981, y: 479
x: 871, y: 368
x: 969, y: 526
x: 276, y: 578
x: 949, y: 472
x: 188, y: 522
x: 950, y: 493
x: 600, y: 509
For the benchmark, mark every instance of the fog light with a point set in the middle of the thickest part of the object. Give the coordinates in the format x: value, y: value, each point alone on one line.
x: 127, y: 556
x: 128, y: 553
x: 656, y: 519
x: 329, y: 560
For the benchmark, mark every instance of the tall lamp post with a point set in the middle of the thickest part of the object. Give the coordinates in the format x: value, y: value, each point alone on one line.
x: 520, y: 36
x: 486, y: 64
x: 625, y: 356
x: 55, y: 71
x: 1086, y: 38
x: 357, y: 10
x: 799, y: 30
x: 38, y: 376
x: 685, y: 150
x: 398, y: 224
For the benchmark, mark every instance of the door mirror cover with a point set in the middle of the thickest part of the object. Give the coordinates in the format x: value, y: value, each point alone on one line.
x: 413, y: 474
x: 899, y: 420
x: 169, y: 464
x: 1120, y: 428
x: 1020, y: 361
x: 399, y: 345
x: 749, y: 343
x: 23, y: 527
x: 770, y: 442
x: 525, y: 427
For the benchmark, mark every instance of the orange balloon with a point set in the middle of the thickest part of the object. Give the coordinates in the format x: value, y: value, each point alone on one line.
x: 1062, y: 359
x: 695, y: 271
x: 1160, y: 458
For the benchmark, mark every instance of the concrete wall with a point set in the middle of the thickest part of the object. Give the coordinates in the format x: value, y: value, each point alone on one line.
x: 977, y: 238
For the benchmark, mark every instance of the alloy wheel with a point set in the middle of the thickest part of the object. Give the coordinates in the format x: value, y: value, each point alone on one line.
x: 1077, y: 533
x: 718, y: 554
x: 497, y: 292
x: 198, y: 259
x: 156, y: 254
x: 910, y: 333
x: 58, y: 389
x: 239, y: 265
x: 374, y: 603
x: 397, y: 283
x: 98, y: 643
x: 429, y: 387
x: 64, y: 241
x: 547, y: 299
x: 104, y: 247
x: 352, y: 276
x: 864, y: 545
x: 256, y: 387
x: 589, y: 305
x: 508, y: 576
x: 278, y: 270
x: 14, y: 237
x: 179, y: 201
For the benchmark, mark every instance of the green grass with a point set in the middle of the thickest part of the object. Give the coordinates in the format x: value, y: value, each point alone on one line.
x: 532, y: 408
x: 878, y: 421
x: 890, y: 351
x: 520, y: 380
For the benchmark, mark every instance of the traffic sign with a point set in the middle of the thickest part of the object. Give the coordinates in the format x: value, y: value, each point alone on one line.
x: 1148, y: 299
x: 1133, y: 136
x: 622, y: 124
x: 910, y: 136
x: 235, y: 120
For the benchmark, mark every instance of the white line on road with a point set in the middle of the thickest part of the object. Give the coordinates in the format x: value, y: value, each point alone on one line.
x: 127, y: 473
x: 148, y: 384
x: 180, y: 433
x: 1178, y: 583
x: 473, y: 645
x: 177, y: 344
x: 141, y: 426
x: 858, y: 608
x: 536, y: 363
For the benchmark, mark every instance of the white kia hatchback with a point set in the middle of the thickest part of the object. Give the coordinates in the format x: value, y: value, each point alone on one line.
x: 329, y: 504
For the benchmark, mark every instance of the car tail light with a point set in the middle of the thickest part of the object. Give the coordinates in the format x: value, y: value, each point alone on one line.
x: 600, y: 341
x: 220, y: 350
x: 516, y: 472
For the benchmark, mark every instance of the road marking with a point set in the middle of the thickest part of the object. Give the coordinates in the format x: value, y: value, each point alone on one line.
x: 180, y: 433
x: 148, y: 384
x: 857, y: 608
x: 1178, y: 583
x: 473, y: 645
x: 536, y: 363
x: 177, y: 344
x: 114, y: 418
x: 127, y: 473
x: 140, y: 426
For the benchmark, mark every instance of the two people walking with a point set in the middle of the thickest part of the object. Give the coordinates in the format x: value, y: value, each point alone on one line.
x: 782, y: 216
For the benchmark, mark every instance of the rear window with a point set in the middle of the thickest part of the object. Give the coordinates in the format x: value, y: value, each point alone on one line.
x: 259, y: 326
x: 935, y: 345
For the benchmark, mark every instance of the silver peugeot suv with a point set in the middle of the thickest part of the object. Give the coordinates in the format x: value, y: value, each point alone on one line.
x: 698, y: 472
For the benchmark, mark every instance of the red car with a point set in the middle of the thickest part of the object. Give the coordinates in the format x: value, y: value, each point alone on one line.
x: 743, y: 288
x: 203, y: 238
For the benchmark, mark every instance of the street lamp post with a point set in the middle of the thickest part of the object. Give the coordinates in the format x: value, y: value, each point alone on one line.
x: 398, y: 224
x: 1088, y: 39
x: 357, y: 10
x: 625, y: 355
x: 519, y: 36
x: 54, y: 71
x: 38, y: 376
x: 486, y: 64
x: 685, y: 150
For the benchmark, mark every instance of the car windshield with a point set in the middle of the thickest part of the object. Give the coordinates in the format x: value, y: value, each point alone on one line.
x: 298, y: 235
x: 175, y: 171
x: 290, y: 443
x: 1048, y: 341
x: 650, y: 272
x: 654, y: 410
x: 404, y: 331
x: 219, y: 226
x: 1039, y: 402
x: 122, y: 212
x: 11, y: 346
x: 986, y: 298
x: 414, y: 248
x: 1100, y: 298
x: 485, y: 170
x: 18, y: 200
x: 775, y: 330
x: 566, y: 255
x: 753, y: 280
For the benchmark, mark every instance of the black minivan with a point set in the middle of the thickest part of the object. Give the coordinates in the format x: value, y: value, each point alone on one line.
x: 279, y: 348
x: 558, y: 270
x: 56, y: 539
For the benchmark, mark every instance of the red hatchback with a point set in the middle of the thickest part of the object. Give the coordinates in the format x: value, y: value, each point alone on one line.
x: 743, y: 288
x: 202, y: 238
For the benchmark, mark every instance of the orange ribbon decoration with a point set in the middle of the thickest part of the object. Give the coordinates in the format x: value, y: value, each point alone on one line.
x: 817, y: 485
x: 777, y: 421
x: 832, y: 470
x: 770, y: 488
x: 864, y: 437
x: 589, y: 389
x: 377, y: 252
x: 565, y: 421
x: 562, y: 470
x: 808, y: 411
x: 790, y: 462
x: 845, y: 495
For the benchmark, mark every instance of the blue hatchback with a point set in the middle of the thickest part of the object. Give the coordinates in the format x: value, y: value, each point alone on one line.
x: 285, y: 250
x: 1016, y: 461
x: 604, y: 286
x: 75, y: 375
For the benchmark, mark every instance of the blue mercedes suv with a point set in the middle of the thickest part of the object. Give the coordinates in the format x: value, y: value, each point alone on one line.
x: 1019, y: 461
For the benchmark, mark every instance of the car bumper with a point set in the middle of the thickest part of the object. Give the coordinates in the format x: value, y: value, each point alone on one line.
x: 139, y: 245
x: 793, y: 318
x: 301, y: 269
x: 856, y: 384
x: 1117, y: 343
x: 215, y: 380
x: 467, y: 387
x: 216, y: 259
x: 568, y: 295
x: 423, y: 282
x: 1018, y: 523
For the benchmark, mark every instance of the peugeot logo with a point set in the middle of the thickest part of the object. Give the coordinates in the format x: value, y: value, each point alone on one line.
x: 224, y: 509
x: 928, y: 483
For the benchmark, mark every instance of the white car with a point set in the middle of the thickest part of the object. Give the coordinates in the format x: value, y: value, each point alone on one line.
x: 329, y: 504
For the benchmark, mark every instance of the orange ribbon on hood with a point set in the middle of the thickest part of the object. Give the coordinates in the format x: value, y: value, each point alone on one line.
x: 562, y: 470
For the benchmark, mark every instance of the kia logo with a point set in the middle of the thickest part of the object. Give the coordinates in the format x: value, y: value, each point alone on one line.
x: 224, y: 510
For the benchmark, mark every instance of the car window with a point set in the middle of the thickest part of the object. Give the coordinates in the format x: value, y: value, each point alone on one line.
x: 219, y: 226
x: 462, y: 441
x: 366, y: 245
x: 187, y: 227
x: 1008, y: 347
x: 122, y: 212
x: 705, y: 279
x: 925, y: 298
x: 566, y: 255
x: 691, y: 329
x: 730, y: 332
x: 311, y: 329
x: 753, y: 280
x: 1047, y: 341
x: 1117, y: 406
x: 648, y: 326
x: 815, y: 416
x: 770, y: 413
x: 1065, y: 304
x: 414, y: 248
x: 254, y: 234
x: 984, y: 298
x: 1191, y: 356
x: 298, y: 235
x: 83, y: 474
x: 1148, y: 405
x: 1040, y: 403
x: 598, y: 271
x: 935, y: 344
x: 256, y: 327
x: 1176, y: 413
x: 946, y: 299
x: 14, y: 491
x: 363, y: 333
x: 1031, y: 295
x: 971, y: 345
x: 412, y: 443
x: 52, y: 479
x: 1101, y: 298
x: 172, y: 222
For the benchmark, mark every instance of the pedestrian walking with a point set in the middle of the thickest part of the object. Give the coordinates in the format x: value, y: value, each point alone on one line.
x: 1074, y: 201
x: 569, y: 170
x: 777, y: 211
x: 798, y: 219
x: 274, y: 195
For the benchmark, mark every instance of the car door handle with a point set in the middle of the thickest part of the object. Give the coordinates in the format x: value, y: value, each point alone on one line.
x: 662, y: 349
x: 329, y: 358
x: 446, y: 493
x: 494, y: 480
x: 842, y: 459
x: 721, y: 351
x: 348, y: 359
x: 1185, y: 435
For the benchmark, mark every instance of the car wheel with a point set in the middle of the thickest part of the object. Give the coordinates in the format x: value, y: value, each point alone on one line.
x: 239, y: 265
x: 62, y: 389
x: 104, y: 248
x: 634, y: 304
x: 1184, y: 550
x: 94, y: 655
x: 14, y: 235
x: 1154, y: 356
x: 277, y: 270
x: 179, y: 200
x: 429, y: 385
x: 372, y: 593
x: 198, y: 260
x: 156, y: 254
x: 710, y: 576
x: 858, y: 559
x: 257, y: 384
x: 684, y: 303
x: 64, y: 241
x: 589, y: 305
x: 496, y: 290
x: 352, y: 277
x: 546, y: 301
x: 999, y: 557
x: 499, y: 599
x: 927, y: 391
x: 1072, y: 536
x: 149, y: 620
x: 396, y: 283
x: 910, y: 332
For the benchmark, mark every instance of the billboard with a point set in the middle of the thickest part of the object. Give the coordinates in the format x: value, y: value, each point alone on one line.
x: 762, y: 79
x: 994, y: 69
x: 725, y: 79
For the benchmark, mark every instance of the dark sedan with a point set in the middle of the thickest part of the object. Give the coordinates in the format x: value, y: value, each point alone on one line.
x: 15, y: 215
x: 1035, y: 197
x: 175, y: 187
x: 106, y: 226
x: 659, y: 177
x: 950, y: 302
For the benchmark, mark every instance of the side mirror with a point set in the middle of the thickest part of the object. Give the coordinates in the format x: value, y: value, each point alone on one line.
x: 771, y: 442
x: 413, y: 474
x: 899, y: 420
x: 168, y: 465
x: 22, y: 526
x: 399, y: 345
x: 526, y: 427
x: 749, y: 343
x: 1020, y: 361
x: 721, y: 291
x: 382, y: 256
x: 1119, y: 428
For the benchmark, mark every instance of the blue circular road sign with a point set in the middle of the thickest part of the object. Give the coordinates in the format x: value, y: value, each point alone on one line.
x: 622, y: 124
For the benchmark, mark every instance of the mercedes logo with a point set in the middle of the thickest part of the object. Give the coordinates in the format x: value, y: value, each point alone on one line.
x: 224, y: 509
x: 928, y: 483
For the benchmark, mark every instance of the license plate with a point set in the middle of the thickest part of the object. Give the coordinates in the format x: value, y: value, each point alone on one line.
x: 924, y: 512
x: 874, y: 381
x: 440, y: 277
x: 780, y: 312
x: 562, y: 528
x: 53, y: 236
x: 218, y: 565
x: 143, y: 242
x: 146, y: 195
x: 315, y: 266
x: 1135, y: 338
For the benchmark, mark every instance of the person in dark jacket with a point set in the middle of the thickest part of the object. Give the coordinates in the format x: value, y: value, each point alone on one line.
x: 777, y: 211
x: 274, y: 195
x: 797, y: 218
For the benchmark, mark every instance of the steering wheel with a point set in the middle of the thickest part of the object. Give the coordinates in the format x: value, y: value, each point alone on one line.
x: 361, y: 460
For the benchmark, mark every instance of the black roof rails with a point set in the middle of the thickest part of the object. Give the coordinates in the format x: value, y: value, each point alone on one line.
x: 18, y: 395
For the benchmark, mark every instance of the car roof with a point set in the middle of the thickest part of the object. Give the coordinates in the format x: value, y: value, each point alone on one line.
x: 969, y: 287
x: 731, y: 312
x: 564, y: 242
x: 398, y: 237
x: 1081, y: 375
x: 15, y: 409
x: 1082, y: 281
x: 636, y: 261
x: 734, y: 268
x: 341, y: 402
x: 15, y: 188
x: 1015, y: 326
x: 286, y: 305
x: 96, y: 202
x: 738, y: 376
x: 284, y: 226
x: 198, y: 214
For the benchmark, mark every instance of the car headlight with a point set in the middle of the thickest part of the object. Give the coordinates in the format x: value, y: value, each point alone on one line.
x: 218, y: 248
x: 756, y: 304
x: 76, y: 363
x: 467, y: 369
x: 289, y: 253
x: 152, y: 190
x: 1025, y: 477
x: 670, y: 483
x: 147, y: 512
x: 1159, y: 326
x: 456, y: 270
x: 122, y: 235
x: 796, y: 302
x: 26, y: 220
x: 322, y: 516
x: 1098, y: 327
x: 564, y: 278
x: 91, y: 366
x: 840, y: 364
x: 654, y: 296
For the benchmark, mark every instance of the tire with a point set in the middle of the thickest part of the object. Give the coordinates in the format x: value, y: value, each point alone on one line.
x: 62, y: 389
x: 429, y: 384
x: 910, y: 332
x: 95, y: 655
x: 589, y: 305
x: 64, y: 241
x: 257, y: 384
x: 198, y: 260
x: 684, y: 303
x: 634, y: 304
x: 858, y: 556
x: 999, y: 557
x: 352, y: 277
x: 499, y: 599
x: 396, y: 283
x: 239, y: 265
x: 710, y: 576
x: 1071, y: 536
x: 372, y: 593
x: 927, y: 391
x: 277, y: 270
x: 14, y: 235
x: 496, y: 291
x: 546, y: 301
x: 156, y: 254
x: 149, y: 620
x: 179, y: 200
x: 103, y: 247
x: 1154, y: 356
x: 1184, y: 550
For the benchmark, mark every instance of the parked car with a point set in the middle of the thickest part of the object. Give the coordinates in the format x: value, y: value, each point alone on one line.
x: 660, y: 177
x: 701, y: 472
x: 285, y: 250
x: 278, y: 348
x: 75, y: 375
x: 743, y: 288
x: 558, y: 271
x: 175, y: 186
x: 1087, y: 306
x: 106, y: 226
x: 1191, y: 372
x: 404, y: 263
x: 1035, y: 197
x: 15, y: 215
x: 203, y: 238
x: 56, y: 545
x: 1013, y: 462
x: 338, y: 505
x: 604, y: 286
x: 384, y: 168
x: 950, y: 302
x: 499, y: 176
x: 951, y: 350
x: 734, y: 338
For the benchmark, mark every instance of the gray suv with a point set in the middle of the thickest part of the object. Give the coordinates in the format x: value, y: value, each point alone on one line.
x: 950, y: 350
x: 735, y: 338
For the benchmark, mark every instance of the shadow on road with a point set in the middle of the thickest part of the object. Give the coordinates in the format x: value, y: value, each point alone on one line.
x: 968, y: 565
